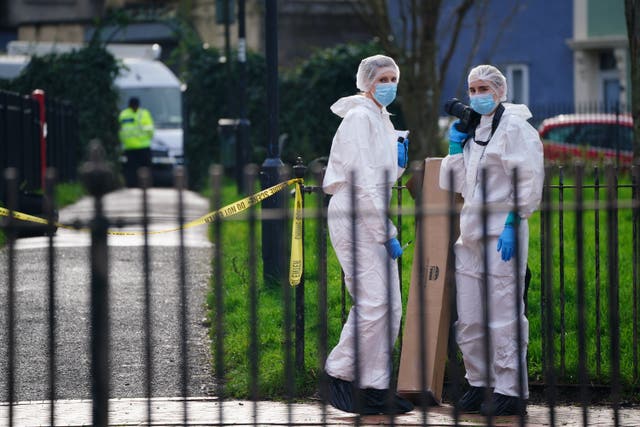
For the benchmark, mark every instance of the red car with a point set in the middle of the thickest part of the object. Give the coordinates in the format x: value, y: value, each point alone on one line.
x: 588, y: 136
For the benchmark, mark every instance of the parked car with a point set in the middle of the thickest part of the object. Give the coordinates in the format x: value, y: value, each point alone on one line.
x: 594, y: 137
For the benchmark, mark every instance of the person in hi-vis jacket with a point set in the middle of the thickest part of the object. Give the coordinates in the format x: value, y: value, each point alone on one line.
x: 367, y: 145
x: 136, y: 133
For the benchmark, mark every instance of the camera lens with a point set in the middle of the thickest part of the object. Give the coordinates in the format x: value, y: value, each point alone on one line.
x: 454, y: 107
x: 469, y: 119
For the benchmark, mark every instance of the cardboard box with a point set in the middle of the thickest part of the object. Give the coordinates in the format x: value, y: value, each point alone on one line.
x: 431, y: 254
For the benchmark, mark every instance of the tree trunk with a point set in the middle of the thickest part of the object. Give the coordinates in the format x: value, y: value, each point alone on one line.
x: 420, y: 109
x: 414, y: 46
x: 632, y: 12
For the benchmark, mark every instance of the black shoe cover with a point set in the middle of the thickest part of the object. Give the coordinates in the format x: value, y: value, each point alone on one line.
x: 503, y: 405
x: 342, y: 395
x: 375, y: 401
x: 470, y: 402
x: 402, y: 405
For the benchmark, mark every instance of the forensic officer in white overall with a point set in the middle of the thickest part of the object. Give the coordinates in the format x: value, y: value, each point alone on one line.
x: 497, y: 147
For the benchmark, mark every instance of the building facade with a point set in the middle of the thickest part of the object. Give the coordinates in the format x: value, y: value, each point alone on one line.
x: 559, y: 56
x: 600, y: 54
x: 527, y: 41
x: 562, y: 53
x: 304, y: 25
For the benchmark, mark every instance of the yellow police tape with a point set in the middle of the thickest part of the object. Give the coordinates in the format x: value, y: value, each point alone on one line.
x: 295, y: 266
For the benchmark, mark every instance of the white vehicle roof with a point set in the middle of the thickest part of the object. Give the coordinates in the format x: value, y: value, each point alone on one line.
x: 12, y: 65
x: 145, y: 73
x: 142, y: 67
x: 119, y: 50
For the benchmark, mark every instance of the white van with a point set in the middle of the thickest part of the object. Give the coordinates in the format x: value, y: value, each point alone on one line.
x: 146, y: 78
x: 12, y: 65
x: 159, y: 92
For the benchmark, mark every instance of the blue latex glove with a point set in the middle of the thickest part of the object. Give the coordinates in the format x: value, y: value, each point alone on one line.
x: 403, y: 153
x: 507, y: 242
x: 393, y: 248
x: 456, y: 138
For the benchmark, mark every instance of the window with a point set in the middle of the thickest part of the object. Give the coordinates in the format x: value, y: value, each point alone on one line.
x: 560, y: 133
x: 607, y: 60
x: 164, y: 104
x: 597, y: 135
x: 609, y: 81
x: 518, y: 82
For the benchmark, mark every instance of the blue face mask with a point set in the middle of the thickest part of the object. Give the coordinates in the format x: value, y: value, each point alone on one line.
x: 385, y: 93
x: 483, y: 104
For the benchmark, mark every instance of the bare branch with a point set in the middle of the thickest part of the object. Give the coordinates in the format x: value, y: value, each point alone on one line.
x: 414, y: 34
x: 477, y: 38
x: 363, y: 11
x: 428, y: 11
x: 374, y: 15
x: 461, y: 12
x: 404, y: 29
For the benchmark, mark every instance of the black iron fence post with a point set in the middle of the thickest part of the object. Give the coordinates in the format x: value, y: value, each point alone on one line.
x: 99, y: 180
x: 216, y: 174
x: 299, y: 171
x: 580, y: 286
x: 11, y: 181
x: 614, y: 292
x: 547, y: 301
x: 49, y: 210
x: 399, y: 188
x: 144, y: 178
x: 561, y: 187
x: 486, y: 310
x: 635, y: 176
x: 250, y: 175
x: 179, y: 179
x: 597, y: 272
x: 321, y: 224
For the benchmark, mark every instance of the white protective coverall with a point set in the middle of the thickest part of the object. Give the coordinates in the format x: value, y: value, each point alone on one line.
x: 515, y: 144
x: 365, y: 143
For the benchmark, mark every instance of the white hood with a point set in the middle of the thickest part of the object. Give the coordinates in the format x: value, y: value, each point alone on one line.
x: 343, y: 105
x: 520, y: 110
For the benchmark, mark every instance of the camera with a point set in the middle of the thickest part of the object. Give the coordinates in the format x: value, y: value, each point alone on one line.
x: 469, y: 119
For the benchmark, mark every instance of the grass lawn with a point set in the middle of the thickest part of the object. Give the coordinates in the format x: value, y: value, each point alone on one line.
x: 596, y: 289
x: 271, y: 381
x: 270, y: 329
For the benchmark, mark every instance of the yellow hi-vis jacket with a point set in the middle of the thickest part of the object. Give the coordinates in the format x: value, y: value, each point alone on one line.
x: 136, y: 129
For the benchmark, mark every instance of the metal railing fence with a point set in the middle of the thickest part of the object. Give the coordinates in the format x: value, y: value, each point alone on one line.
x: 587, y: 237
x: 20, y: 139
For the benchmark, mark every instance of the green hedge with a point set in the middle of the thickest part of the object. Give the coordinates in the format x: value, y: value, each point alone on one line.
x: 207, y: 100
x: 309, y: 90
x: 306, y: 93
x: 85, y: 78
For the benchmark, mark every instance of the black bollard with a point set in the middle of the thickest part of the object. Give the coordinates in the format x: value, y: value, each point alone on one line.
x: 274, y: 222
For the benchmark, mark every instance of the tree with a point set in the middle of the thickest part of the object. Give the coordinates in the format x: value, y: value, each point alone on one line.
x: 632, y: 13
x: 410, y: 32
x: 415, y: 49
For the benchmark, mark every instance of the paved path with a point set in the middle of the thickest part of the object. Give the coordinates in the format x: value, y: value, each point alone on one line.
x: 73, y: 278
x: 206, y: 411
x: 126, y: 205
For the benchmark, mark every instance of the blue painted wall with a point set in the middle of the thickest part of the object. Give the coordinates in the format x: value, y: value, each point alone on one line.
x: 536, y: 36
